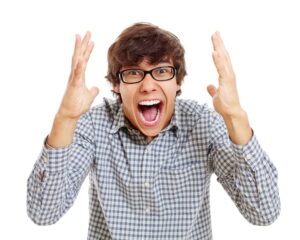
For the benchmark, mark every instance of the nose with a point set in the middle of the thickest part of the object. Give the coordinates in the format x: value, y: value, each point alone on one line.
x: 148, y: 84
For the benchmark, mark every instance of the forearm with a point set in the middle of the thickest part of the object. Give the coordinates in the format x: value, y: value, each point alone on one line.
x: 255, y: 181
x: 57, y: 177
x: 246, y: 173
x: 62, y: 132
x: 238, y: 127
x: 250, y: 178
x: 46, y: 196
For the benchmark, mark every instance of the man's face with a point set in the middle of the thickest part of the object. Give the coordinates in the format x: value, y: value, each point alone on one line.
x: 149, y: 104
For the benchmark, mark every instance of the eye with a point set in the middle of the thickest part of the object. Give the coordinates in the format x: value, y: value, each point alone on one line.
x: 162, y: 70
x: 133, y: 72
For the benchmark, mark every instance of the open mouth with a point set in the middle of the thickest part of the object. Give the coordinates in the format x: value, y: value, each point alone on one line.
x: 150, y: 112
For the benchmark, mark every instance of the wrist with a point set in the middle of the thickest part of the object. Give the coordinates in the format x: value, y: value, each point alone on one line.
x: 234, y: 113
x: 63, y: 118
x: 62, y: 131
x: 48, y: 146
x: 238, y: 127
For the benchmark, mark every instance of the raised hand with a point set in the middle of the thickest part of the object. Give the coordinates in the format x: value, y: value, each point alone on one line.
x: 78, y: 98
x: 225, y: 96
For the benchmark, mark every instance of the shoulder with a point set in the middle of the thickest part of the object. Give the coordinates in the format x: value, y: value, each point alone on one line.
x: 193, y: 109
x: 103, y: 114
x: 192, y: 113
x: 107, y: 107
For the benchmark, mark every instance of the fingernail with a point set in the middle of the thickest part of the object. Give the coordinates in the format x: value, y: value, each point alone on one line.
x: 215, y: 34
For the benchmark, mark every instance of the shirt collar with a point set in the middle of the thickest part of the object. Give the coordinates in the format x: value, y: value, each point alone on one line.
x: 121, y: 121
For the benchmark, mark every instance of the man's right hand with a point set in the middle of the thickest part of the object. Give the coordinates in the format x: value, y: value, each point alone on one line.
x: 77, y: 98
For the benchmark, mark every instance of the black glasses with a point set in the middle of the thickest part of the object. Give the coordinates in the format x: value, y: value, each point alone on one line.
x: 131, y: 76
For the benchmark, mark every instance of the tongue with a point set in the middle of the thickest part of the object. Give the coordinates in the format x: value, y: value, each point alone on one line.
x: 149, y: 113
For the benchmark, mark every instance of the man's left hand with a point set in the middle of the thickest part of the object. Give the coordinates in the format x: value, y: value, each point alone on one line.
x: 225, y: 97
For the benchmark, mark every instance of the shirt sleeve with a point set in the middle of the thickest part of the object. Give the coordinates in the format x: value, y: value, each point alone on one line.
x: 247, y: 174
x: 58, y: 174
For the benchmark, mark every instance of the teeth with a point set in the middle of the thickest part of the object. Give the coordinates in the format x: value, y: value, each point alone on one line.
x: 149, y: 103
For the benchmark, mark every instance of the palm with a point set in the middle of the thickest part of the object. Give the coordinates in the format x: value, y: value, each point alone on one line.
x: 76, y: 101
x: 78, y: 98
x: 225, y: 97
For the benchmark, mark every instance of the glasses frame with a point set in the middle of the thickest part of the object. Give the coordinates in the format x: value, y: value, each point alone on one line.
x: 120, y: 74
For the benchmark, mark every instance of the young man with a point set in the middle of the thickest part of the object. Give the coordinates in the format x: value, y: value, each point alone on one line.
x: 150, y: 155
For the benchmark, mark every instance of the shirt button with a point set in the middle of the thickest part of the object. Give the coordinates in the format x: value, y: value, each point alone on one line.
x: 146, y: 184
x: 147, y: 210
x: 248, y: 156
x: 45, y: 159
x: 148, y: 149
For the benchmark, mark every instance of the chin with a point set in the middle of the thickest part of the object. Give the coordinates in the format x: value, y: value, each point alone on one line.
x: 150, y: 133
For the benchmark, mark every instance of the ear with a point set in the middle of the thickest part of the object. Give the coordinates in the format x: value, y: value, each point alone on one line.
x: 116, y: 88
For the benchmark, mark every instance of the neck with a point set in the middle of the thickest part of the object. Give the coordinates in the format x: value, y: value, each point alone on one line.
x: 149, y: 139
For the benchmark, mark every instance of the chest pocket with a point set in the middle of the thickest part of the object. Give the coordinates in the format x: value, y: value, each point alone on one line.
x: 182, y: 186
x: 182, y: 180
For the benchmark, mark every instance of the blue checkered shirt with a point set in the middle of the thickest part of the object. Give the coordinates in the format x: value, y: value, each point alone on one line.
x: 157, y: 190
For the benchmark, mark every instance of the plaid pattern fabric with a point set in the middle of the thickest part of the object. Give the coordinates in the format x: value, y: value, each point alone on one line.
x: 152, y: 191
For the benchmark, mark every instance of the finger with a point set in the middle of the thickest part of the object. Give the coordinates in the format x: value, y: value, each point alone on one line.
x: 77, y: 50
x: 78, y: 72
x: 219, y: 46
x: 212, y: 90
x: 87, y: 54
x: 88, y: 51
x: 224, y: 68
x: 214, y: 39
x: 221, y: 42
x: 85, y: 42
x: 219, y: 64
x: 218, y: 43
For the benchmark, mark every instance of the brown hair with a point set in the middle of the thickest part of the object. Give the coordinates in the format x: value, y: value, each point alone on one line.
x: 144, y: 40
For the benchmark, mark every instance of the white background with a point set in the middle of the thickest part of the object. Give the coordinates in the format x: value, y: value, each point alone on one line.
x: 36, y: 44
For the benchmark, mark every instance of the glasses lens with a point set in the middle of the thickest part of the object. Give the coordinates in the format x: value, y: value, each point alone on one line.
x: 163, y: 73
x: 132, y: 75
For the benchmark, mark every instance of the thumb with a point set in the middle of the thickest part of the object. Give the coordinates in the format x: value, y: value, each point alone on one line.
x: 211, y: 89
x: 94, y: 91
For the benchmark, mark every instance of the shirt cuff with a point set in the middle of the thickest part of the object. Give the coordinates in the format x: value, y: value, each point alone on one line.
x: 53, y: 159
x: 250, y: 154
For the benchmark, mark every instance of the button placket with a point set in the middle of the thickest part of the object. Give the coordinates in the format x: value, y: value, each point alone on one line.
x: 249, y: 156
x: 148, y: 149
x: 45, y: 159
x: 147, y: 210
x: 145, y: 181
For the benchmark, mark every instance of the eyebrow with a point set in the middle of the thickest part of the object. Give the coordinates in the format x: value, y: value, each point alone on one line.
x: 137, y: 67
